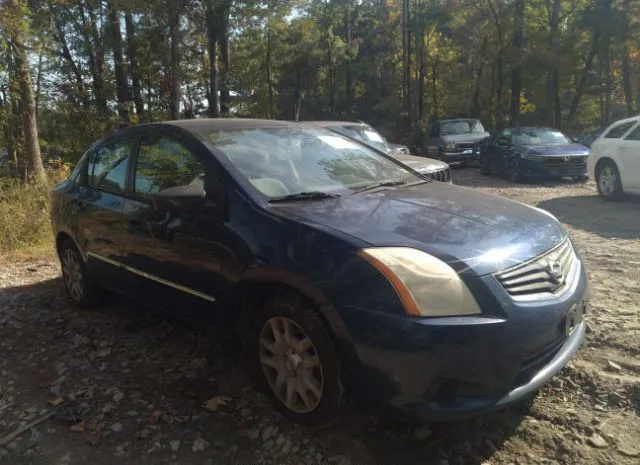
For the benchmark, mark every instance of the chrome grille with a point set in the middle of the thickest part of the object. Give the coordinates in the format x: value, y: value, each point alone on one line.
x: 465, y: 145
x: 443, y: 175
x: 549, y: 274
x: 566, y: 161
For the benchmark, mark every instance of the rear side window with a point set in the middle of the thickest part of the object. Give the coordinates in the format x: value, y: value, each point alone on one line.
x: 107, y: 167
x: 634, y: 135
x: 164, y: 162
x: 618, y: 131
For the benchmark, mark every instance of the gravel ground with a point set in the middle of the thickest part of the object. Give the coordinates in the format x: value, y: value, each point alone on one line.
x: 123, y: 385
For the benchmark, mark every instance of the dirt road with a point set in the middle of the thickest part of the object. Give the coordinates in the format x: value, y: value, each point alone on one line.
x: 123, y: 385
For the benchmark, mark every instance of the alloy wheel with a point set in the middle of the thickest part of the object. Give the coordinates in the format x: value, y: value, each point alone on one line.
x: 291, y: 365
x: 72, y: 274
x: 607, y: 181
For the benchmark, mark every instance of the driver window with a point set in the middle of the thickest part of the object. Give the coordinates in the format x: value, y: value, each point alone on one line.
x: 107, y: 167
x: 504, y: 138
x: 163, y: 162
x: 634, y: 135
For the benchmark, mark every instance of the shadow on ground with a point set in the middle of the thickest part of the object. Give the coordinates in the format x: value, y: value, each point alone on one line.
x: 590, y: 213
x: 163, y: 365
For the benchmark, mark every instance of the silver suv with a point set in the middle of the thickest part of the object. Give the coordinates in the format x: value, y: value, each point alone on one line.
x: 454, y: 140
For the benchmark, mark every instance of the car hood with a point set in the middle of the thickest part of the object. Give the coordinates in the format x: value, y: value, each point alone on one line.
x: 475, y: 233
x: 564, y: 150
x: 422, y: 164
x: 469, y: 137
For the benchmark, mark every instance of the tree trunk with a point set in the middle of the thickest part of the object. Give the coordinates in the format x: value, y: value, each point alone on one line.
x: 176, y: 78
x: 39, y: 79
x: 408, y: 99
x: 297, y: 97
x: 270, y: 74
x: 225, y: 55
x: 552, y: 75
x: 94, y: 48
x: 34, y: 168
x: 584, y: 76
x: 348, y: 74
x: 66, y: 54
x: 421, y: 74
x: 434, y: 86
x: 213, y: 94
x: 405, y: 55
x: 132, y: 51
x: 516, y: 72
x: 626, y: 66
x: 122, y: 91
x: 332, y: 77
x: 475, y: 106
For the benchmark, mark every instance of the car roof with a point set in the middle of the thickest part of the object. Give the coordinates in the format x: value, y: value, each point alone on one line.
x: 631, y: 119
x: 328, y: 124
x: 457, y: 119
x: 511, y: 128
x: 204, y: 125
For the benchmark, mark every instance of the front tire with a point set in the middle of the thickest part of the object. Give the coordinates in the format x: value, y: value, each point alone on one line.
x: 80, y: 288
x: 608, y: 181
x: 485, y: 169
x: 513, y: 173
x: 295, y: 360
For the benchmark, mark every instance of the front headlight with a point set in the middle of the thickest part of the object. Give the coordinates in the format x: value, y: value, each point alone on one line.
x: 426, y: 285
x: 449, y: 147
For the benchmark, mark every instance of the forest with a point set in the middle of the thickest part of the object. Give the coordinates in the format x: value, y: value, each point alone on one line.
x: 71, y: 70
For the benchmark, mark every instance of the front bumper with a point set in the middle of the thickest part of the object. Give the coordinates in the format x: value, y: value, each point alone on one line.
x: 555, y: 169
x: 449, y: 368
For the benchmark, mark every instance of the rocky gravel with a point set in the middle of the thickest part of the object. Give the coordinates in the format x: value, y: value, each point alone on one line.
x: 126, y: 385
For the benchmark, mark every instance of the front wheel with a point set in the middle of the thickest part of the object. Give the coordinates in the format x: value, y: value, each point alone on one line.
x: 296, y: 361
x: 485, y: 169
x: 513, y: 172
x: 608, y: 181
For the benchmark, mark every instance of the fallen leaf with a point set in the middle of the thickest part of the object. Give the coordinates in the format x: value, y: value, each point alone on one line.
x: 93, y: 439
x: 144, y: 433
x: 55, y: 402
x: 109, y: 407
x: 215, y: 402
x: 3, y: 321
x: 154, y: 417
x: 78, y: 427
x: 199, y: 444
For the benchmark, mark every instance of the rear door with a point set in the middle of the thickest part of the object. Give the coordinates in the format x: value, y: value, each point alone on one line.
x: 502, y: 150
x: 97, y: 205
x: 630, y: 157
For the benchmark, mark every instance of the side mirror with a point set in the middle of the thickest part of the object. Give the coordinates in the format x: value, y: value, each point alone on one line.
x: 180, y: 199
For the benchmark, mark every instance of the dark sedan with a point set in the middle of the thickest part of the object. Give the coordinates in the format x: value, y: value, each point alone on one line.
x: 340, y: 269
x: 533, y: 153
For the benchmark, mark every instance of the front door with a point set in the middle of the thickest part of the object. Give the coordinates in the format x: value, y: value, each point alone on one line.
x: 174, y: 257
x: 630, y: 158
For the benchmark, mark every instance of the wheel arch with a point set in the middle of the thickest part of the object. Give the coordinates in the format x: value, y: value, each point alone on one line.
x: 63, y: 236
x: 603, y: 160
x: 260, y: 284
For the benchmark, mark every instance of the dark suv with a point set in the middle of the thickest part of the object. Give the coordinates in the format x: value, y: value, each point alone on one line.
x: 454, y: 140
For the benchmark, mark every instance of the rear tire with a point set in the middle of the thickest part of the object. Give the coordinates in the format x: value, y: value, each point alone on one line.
x: 295, y: 360
x: 608, y: 181
x: 80, y: 288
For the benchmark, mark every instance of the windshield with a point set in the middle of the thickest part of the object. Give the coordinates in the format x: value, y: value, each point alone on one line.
x: 366, y: 135
x: 288, y: 161
x: 538, y: 136
x: 464, y: 126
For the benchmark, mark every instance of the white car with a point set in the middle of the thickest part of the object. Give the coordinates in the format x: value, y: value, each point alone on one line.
x: 615, y: 159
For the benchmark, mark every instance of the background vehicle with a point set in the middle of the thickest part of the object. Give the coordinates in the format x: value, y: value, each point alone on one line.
x: 362, y: 132
x: 337, y: 265
x: 587, y: 139
x: 453, y: 140
x: 533, y: 152
x: 615, y: 159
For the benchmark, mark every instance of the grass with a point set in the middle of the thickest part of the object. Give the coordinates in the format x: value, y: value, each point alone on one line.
x: 25, y: 226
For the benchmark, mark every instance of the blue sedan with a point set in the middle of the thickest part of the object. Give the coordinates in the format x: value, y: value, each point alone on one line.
x: 339, y: 268
x: 541, y: 153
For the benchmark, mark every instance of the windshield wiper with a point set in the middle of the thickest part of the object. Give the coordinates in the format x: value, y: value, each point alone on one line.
x: 380, y: 184
x: 311, y: 195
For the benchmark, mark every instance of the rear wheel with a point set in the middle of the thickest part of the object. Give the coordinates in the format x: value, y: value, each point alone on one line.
x: 295, y: 360
x: 608, y: 181
x: 79, y: 286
